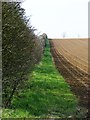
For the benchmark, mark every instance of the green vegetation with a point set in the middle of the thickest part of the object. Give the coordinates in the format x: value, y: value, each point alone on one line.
x: 46, y: 95
x: 21, y: 50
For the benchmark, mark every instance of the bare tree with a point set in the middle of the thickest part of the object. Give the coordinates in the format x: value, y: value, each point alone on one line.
x: 78, y: 35
x: 64, y: 34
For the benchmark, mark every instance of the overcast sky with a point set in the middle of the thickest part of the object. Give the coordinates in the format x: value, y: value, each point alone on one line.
x: 55, y: 17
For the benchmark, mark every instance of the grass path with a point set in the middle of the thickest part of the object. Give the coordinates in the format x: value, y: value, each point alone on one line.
x: 47, y: 95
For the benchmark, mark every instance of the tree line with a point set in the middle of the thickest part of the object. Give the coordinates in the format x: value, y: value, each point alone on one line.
x: 21, y: 50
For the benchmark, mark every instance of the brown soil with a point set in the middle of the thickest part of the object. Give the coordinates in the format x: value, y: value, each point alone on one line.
x: 76, y: 78
x: 74, y: 50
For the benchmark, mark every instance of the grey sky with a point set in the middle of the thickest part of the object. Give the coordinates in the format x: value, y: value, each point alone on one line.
x: 55, y: 17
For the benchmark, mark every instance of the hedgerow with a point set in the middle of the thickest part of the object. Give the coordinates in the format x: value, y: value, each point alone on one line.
x: 21, y: 50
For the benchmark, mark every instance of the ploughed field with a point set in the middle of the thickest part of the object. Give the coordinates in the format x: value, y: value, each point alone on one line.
x: 74, y: 50
x: 71, y: 59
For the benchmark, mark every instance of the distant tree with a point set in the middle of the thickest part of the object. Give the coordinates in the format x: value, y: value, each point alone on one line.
x: 78, y: 35
x: 64, y: 34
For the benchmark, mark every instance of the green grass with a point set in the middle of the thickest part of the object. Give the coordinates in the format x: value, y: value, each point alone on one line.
x: 47, y: 94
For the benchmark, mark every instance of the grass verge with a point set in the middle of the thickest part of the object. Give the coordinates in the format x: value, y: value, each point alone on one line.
x: 47, y: 95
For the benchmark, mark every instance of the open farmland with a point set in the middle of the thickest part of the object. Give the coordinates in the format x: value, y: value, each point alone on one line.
x: 41, y: 78
x: 71, y: 59
x: 75, y: 51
